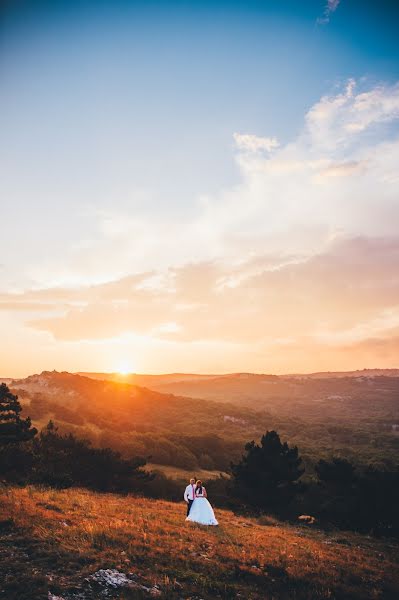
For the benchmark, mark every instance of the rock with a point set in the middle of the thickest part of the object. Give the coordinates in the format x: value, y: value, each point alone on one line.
x: 114, y: 579
x: 308, y: 519
x: 155, y: 591
x: 109, y: 578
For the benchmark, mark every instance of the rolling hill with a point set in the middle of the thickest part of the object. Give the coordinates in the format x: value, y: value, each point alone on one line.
x: 76, y: 399
x: 172, y: 430
x: 204, y: 423
x: 369, y: 393
x: 145, y: 380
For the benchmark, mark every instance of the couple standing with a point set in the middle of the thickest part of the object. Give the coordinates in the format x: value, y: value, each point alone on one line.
x: 198, y: 508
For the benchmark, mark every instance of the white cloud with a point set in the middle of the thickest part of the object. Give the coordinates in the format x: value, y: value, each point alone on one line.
x: 333, y: 180
x: 253, y: 143
x: 329, y: 8
x: 336, y: 121
x: 301, y: 253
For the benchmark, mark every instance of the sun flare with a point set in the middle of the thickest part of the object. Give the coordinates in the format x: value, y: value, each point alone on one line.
x: 123, y: 369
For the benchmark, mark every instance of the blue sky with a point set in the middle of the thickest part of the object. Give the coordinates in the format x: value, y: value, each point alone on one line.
x: 118, y: 122
x: 147, y: 90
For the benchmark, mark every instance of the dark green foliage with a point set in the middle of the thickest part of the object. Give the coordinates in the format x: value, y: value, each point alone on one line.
x: 13, y: 429
x: 63, y: 461
x: 378, y: 493
x: 338, y: 472
x: 161, y: 486
x: 218, y: 490
x: 267, y: 476
x: 365, y: 500
x: 15, y: 437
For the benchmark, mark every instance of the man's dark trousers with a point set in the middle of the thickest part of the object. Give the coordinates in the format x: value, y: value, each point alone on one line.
x: 189, y: 503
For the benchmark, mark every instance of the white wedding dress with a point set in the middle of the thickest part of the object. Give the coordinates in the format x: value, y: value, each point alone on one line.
x: 201, y: 511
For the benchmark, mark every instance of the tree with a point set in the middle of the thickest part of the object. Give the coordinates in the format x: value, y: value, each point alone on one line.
x: 378, y: 501
x: 365, y: 501
x: 64, y: 461
x: 338, y: 472
x: 267, y: 475
x: 13, y: 429
x: 336, y: 499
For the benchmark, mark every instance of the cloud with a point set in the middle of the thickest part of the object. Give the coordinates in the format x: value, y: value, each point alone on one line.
x: 336, y: 121
x: 253, y: 143
x: 345, y: 169
x: 341, y: 296
x: 329, y: 8
x: 338, y: 175
x: 299, y: 258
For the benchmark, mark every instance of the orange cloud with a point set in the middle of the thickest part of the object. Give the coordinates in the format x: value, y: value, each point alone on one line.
x: 338, y: 299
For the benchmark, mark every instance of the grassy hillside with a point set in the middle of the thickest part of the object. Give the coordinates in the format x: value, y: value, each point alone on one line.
x: 184, y: 474
x: 56, y: 541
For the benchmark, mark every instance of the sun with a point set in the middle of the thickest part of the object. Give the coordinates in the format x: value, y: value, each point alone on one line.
x: 123, y: 369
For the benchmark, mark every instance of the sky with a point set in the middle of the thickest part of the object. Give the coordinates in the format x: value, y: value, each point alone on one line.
x: 204, y: 187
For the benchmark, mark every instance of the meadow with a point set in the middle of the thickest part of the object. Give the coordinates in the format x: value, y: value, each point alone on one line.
x: 183, y: 475
x: 53, y: 542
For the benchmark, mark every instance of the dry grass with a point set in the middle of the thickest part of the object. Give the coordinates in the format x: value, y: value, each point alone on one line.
x: 52, y: 539
x: 184, y: 474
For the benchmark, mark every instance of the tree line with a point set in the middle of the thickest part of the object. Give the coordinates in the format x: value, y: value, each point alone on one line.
x: 268, y: 478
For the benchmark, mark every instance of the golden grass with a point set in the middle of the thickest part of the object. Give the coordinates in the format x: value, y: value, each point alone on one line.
x: 184, y: 474
x: 240, y: 558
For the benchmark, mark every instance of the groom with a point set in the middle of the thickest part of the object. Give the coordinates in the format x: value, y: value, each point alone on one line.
x: 189, y: 494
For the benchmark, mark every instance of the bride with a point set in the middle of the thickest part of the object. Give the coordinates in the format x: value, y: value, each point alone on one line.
x: 201, y: 511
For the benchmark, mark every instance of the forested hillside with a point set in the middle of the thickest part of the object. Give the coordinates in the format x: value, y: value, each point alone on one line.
x: 356, y: 417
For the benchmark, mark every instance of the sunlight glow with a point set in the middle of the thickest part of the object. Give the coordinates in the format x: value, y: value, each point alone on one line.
x: 124, y: 368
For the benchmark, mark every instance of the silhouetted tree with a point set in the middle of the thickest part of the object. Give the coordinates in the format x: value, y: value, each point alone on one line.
x: 338, y: 472
x: 13, y: 429
x: 63, y: 461
x: 366, y: 501
x: 377, y: 509
x: 267, y: 475
x: 337, y: 498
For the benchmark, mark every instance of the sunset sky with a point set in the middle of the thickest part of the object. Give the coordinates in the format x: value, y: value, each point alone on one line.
x: 199, y: 186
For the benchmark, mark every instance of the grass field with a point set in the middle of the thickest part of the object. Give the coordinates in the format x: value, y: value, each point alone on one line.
x: 184, y: 474
x: 51, y: 541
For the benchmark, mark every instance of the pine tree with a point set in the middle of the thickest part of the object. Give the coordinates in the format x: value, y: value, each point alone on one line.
x: 267, y: 475
x: 13, y: 429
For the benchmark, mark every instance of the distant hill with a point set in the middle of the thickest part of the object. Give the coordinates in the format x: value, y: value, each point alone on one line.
x: 299, y: 396
x: 146, y: 380
x: 169, y: 429
x: 204, y: 423
x: 339, y: 374
x: 115, y: 405
x: 175, y: 403
x: 151, y: 380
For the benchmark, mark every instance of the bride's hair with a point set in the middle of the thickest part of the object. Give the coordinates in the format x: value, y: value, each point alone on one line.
x: 199, y: 485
